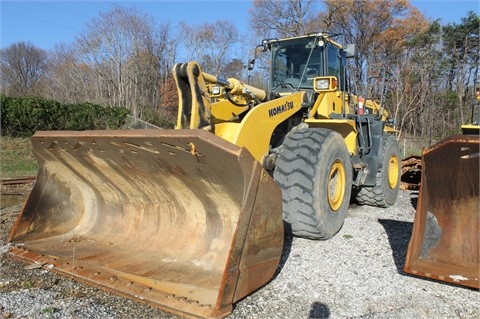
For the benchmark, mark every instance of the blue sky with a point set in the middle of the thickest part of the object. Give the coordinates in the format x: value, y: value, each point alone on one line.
x: 46, y: 23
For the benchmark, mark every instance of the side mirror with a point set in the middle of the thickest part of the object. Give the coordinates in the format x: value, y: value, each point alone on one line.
x: 350, y: 50
x: 251, y: 64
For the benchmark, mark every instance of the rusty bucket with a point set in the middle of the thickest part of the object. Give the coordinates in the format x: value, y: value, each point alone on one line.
x: 445, y: 239
x: 178, y: 219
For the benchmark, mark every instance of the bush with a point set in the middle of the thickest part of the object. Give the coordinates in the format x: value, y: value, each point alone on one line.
x: 21, y: 117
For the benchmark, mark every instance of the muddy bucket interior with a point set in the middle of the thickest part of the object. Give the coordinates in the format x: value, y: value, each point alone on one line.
x: 178, y: 219
x: 445, y: 239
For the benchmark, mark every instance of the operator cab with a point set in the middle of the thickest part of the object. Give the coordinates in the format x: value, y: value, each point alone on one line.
x: 296, y: 62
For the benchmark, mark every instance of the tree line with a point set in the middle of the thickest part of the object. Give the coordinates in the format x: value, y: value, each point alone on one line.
x: 123, y: 58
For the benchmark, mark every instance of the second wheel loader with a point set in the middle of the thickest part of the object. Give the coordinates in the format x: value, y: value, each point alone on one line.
x: 445, y: 242
x: 191, y: 220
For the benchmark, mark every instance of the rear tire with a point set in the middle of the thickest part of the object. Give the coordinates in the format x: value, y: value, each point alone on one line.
x: 385, y: 191
x: 314, y: 170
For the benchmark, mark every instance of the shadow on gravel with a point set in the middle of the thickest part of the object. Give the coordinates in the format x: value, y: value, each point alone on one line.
x: 319, y: 310
x: 399, y: 234
x: 414, y: 199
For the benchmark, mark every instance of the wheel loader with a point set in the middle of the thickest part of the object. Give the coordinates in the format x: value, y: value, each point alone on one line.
x: 191, y: 220
x: 445, y: 243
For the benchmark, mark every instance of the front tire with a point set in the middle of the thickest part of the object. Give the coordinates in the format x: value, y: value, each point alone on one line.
x: 385, y: 191
x: 314, y: 171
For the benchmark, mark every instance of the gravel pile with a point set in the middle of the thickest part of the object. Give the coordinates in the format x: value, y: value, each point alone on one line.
x: 357, y: 274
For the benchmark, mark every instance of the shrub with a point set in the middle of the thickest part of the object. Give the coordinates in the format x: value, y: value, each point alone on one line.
x: 21, y: 117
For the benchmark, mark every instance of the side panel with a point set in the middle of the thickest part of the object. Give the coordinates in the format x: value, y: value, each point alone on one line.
x: 256, y: 128
x: 328, y: 103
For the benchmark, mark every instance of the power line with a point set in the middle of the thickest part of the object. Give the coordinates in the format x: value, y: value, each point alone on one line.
x: 61, y: 9
x: 95, y: 4
x: 41, y: 20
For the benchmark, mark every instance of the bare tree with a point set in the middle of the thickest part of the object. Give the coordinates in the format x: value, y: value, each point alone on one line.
x: 282, y: 18
x: 211, y: 44
x: 189, y: 45
x: 69, y: 80
x: 125, y: 52
x: 22, y: 65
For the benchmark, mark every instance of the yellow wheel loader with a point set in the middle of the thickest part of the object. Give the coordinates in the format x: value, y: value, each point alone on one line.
x: 445, y: 242
x: 191, y: 220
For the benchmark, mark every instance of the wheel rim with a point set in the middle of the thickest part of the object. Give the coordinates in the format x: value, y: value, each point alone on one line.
x: 336, y: 185
x: 393, y: 172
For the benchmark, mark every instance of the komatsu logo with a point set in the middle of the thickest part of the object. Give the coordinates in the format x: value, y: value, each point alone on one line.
x: 280, y: 109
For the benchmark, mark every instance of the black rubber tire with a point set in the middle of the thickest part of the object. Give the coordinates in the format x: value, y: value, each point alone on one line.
x: 308, y: 160
x: 383, y: 194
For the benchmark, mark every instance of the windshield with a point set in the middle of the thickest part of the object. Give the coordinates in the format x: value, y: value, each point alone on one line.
x: 296, y: 63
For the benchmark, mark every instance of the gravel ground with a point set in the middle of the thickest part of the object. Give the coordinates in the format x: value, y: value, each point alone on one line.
x: 357, y: 274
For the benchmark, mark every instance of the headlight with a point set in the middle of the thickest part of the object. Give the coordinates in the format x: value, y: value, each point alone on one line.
x: 325, y: 84
x: 216, y: 90
x: 322, y: 84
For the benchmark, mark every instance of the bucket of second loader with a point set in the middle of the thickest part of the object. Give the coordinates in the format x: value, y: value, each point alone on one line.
x: 445, y: 242
x: 179, y: 219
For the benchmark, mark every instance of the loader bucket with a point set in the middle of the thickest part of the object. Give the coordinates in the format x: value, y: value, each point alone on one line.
x: 179, y: 219
x: 445, y: 238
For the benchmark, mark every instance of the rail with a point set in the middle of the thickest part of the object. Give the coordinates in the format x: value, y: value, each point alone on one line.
x: 16, y: 186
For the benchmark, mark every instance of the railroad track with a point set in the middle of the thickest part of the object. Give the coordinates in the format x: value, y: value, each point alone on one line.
x: 18, y: 181
x: 16, y: 186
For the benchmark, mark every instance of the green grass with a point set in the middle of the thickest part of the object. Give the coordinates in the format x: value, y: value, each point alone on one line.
x: 16, y: 158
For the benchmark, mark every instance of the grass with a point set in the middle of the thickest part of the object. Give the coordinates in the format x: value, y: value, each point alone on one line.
x: 49, y: 310
x: 16, y: 158
x: 28, y: 284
